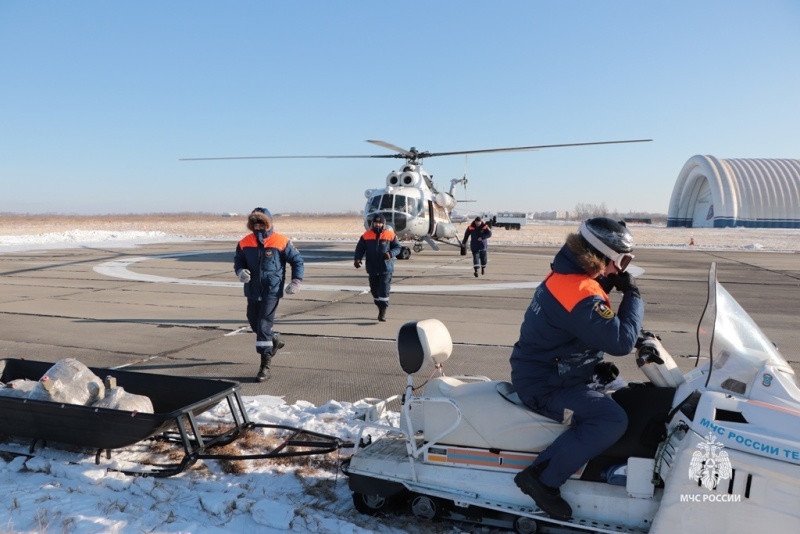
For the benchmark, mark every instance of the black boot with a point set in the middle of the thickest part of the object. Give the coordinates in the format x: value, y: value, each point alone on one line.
x: 547, y: 498
x: 382, y: 313
x: 263, y: 371
x: 277, y: 344
x: 476, y: 272
x: 483, y: 270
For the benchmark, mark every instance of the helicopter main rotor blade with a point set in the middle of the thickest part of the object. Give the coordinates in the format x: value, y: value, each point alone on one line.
x: 390, y: 146
x: 415, y: 155
x: 294, y: 157
x: 522, y: 148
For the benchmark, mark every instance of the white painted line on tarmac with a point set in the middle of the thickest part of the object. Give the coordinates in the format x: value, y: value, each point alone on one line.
x: 242, y: 330
x: 120, y: 269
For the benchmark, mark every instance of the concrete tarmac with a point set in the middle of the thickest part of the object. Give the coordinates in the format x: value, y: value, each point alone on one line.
x: 178, y: 309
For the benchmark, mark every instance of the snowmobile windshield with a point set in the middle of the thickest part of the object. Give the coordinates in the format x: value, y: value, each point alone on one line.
x: 737, y: 348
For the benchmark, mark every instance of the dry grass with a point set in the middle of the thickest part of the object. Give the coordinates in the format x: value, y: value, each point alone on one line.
x: 184, y: 224
x: 249, y: 442
x: 350, y: 227
x: 172, y: 452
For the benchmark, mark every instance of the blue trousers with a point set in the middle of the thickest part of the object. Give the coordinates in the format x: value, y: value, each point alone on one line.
x: 380, y: 285
x: 479, y: 258
x: 261, y: 316
x: 597, y: 423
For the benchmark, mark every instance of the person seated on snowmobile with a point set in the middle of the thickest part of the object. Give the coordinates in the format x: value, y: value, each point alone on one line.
x: 566, y: 329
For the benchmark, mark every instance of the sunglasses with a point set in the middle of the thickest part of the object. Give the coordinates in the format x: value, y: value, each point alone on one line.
x: 620, y: 259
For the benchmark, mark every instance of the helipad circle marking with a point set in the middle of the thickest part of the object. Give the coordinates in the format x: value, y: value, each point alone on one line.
x: 119, y: 269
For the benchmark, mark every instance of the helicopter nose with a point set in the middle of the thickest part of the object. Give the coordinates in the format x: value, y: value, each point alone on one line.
x: 399, y: 222
x: 396, y: 220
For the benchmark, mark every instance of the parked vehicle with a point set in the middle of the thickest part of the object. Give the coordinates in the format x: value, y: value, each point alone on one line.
x: 714, y: 450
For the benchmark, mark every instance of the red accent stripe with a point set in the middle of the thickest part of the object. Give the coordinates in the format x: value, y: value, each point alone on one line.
x: 775, y: 407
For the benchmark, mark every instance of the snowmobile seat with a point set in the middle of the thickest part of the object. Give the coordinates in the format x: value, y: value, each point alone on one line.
x: 488, y: 420
x: 506, y: 389
x: 491, y: 419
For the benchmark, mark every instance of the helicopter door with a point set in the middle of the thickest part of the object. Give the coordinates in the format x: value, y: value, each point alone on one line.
x: 431, y: 212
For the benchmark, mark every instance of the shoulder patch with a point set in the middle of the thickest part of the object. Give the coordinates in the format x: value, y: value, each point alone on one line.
x: 604, y: 311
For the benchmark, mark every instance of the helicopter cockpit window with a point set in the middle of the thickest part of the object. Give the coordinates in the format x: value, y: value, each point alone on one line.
x: 404, y: 204
x: 374, y: 203
x: 386, y: 202
x: 422, y: 210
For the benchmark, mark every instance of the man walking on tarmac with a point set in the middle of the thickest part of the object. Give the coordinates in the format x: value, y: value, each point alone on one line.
x: 479, y: 232
x: 260, y: 263
x: 380, y: 245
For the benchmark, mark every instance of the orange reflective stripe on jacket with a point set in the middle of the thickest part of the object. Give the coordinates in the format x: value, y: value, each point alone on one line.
x: 387, y: 235
x: 274, y: 240
x: 570, y: 289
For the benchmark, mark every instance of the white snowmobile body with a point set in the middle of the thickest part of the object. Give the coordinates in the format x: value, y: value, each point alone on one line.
x: 715, y: 450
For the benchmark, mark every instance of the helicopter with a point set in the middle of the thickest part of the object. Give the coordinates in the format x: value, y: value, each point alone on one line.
x: 410, y: 202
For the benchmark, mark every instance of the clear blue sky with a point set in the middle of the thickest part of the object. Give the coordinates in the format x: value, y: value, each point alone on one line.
x: 99, y: 100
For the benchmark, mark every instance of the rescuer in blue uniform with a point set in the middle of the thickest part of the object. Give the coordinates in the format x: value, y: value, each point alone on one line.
x: 567, y: 328
x: 478, y: 232
x: 260, y: 263
x: 380, y: 246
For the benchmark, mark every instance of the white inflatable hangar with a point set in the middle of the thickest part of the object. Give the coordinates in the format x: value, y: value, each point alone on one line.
x: 719, y: 193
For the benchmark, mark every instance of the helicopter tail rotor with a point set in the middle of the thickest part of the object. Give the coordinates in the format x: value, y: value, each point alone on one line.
x: 465, y: 175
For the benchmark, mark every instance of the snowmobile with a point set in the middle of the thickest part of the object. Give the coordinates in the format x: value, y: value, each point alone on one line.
x: 716, y: 449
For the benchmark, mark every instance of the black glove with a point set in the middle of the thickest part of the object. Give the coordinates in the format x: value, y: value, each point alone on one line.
x: 606, y: 372
x: 387, y: 256
x: 357, y: 264
x: 644, y: 335
x: 606, y: 282
x: 648, y: 354
x: 626, y: 283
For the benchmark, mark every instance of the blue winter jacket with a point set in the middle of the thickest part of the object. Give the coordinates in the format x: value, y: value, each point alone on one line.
x: 375, y: 248
x: 567, y: 328
x: 483, y: 232
x: 266, y: 260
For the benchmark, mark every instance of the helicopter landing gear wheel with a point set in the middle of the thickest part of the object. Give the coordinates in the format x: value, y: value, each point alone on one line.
x: 425, y: 507
x: 371, y: 505
x: 405, y: 252
x: 525, y: 525
x: 417, y: 247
